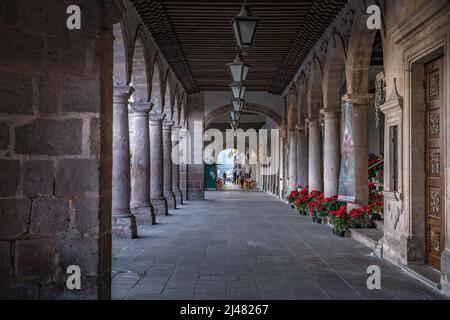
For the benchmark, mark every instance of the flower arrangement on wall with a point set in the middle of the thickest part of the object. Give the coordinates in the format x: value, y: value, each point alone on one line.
x: 376, y: 185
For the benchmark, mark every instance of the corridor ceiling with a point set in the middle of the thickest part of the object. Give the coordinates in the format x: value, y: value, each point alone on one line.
x: 197, y: 40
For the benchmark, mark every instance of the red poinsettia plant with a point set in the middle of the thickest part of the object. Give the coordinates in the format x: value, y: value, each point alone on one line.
x: 293, y: 196
x: 361, y: 216
x: 314, y: 205
x: 377, y: 206
x: 339, y: 219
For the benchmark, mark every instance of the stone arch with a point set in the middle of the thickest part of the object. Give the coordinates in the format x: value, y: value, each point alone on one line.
x: 183, y: 118
x: 302, y: 100
x: 140, y: 70
x: 359, y: 55
x: 315, y: 93
x: 249, y: 107
x: 168, y: 97
x: 334, y: 70
x: 156, y: 96
x: 176, y: 106
x: 292, y: 118
x: 121, y: 69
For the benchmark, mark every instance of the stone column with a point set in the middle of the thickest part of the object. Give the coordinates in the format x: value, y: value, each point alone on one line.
x: 315, y: 156
x: 292, y: 161
x: 156, y: 164
x: 332, y: 152
x: 361, y: 145
x: 176, y: 166
x: 302, y: 157
x: 123, y: 221
x: 167, y: 164
x: 140, y: 162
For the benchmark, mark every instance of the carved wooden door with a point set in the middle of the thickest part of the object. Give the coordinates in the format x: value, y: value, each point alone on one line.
x: 434, y: 223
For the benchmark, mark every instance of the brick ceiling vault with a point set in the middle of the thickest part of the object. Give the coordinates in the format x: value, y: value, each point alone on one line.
x: 197, y: 41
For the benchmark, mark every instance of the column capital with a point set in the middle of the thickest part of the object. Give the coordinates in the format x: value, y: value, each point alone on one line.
x: 141, y: 108
x: 176, y: 129
x: 122, y: 93
x: 330, y: 113
x: 156, y: 118
x: 358, y: 98
x: 313, y: 122
x: 300, y: 127
x: 168, y: 124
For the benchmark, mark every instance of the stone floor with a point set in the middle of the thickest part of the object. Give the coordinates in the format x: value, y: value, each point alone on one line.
x: 248, y: 245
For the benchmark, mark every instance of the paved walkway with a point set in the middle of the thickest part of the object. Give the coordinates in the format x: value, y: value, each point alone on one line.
x: 248, y: 245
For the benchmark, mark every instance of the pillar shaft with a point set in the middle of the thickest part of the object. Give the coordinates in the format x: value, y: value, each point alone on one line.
x: 176, y: 166
x: 361, y: 146
x: 123, y: 221
x: 140, y: 162
x: 332, y: 152
x: 167, y: 164
x: 315, y: 156
x: 156, y: 164
x: 292, y: 161
x: 302, y: 158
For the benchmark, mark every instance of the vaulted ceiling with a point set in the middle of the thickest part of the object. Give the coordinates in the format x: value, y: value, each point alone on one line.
x: 197, y: 40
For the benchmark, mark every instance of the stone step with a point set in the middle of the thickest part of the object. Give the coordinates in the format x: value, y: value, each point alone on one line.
x: 371, y: 238
x: 424, y: 274
x: 380, y: 225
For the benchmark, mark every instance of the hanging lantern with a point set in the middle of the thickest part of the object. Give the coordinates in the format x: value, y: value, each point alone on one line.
x: 234, y: 120
x: 238, y: 69
x: 238, y: 105
x: 238, y: 90
x: 244, y: 28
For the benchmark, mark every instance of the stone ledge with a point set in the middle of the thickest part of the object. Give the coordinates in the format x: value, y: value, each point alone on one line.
x: 424, y: 274
x: 372, y: 238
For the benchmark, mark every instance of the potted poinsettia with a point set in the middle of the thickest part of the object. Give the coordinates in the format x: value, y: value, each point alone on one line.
x: 361, y: 218
x: 301, y: 205
x: 339, y: 220
x: 377, y: 207
x: 311, y: 207
x: 292, y: 197
x: 331, y: 204
x: 314, y: 205
x: 319, y: 211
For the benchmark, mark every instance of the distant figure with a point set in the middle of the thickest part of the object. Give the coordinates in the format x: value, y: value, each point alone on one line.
x: 235, y: 177
x: 224, y: 178
x: 242, y: 178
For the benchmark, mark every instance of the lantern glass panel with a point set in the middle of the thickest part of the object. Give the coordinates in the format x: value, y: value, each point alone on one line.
x: 247, y: 28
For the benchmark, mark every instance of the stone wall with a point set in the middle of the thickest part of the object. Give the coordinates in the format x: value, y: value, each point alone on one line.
x: 55, y: 149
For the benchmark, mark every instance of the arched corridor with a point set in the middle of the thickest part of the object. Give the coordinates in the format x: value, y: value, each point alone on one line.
x: 333, y: 115
x: 242, y: 251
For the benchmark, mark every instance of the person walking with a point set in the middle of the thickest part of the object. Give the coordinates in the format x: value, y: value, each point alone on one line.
x: 242, y: 179
x: 224, y: 178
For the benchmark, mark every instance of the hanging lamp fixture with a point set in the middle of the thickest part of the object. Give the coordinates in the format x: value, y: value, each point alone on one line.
x: 238, y: 105
x: 238, y: 69
x: 238, y: 89
x: 244, y: 28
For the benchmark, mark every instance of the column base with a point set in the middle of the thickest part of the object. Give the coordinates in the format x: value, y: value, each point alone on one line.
x: 144, y: 213
x: 445, y: 273
x: 178, y: 197
x: 124, y: 227
x: 160, y: 206
x: 171, y: 201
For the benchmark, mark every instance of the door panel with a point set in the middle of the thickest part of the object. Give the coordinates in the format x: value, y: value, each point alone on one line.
x: 434, y: 162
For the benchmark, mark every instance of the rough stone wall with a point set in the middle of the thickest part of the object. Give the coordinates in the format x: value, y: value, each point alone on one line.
x: 195, y: 172
x: 55, y: 149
